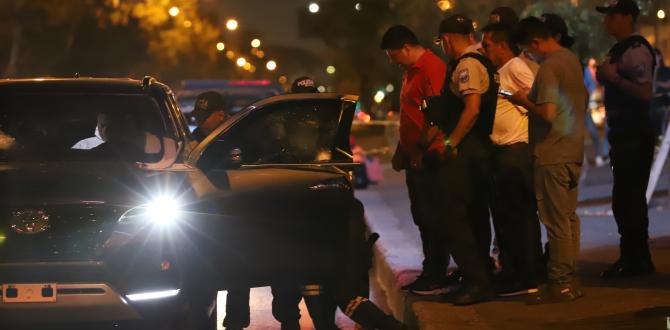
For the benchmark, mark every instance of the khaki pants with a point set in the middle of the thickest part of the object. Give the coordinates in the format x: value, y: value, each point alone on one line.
x: 556, y: 194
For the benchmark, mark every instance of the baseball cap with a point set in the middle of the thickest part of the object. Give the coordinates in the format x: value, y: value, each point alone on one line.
x: 626, y: 7
x: 504, y: 15
x: 457, y: 24
x: 206, y: 104
x: 303, y: 85
x: 556, y: 25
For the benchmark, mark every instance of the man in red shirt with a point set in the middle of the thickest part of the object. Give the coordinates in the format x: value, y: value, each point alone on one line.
x: 419, y: 150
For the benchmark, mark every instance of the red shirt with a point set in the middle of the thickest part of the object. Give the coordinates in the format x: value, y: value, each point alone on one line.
x: 425, y: 78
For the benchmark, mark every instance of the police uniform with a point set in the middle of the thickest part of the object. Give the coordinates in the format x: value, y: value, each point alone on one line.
x: 632, y: 145
x: 465, y: 178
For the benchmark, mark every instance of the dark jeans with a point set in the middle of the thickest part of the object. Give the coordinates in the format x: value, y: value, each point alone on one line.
x: 515, y: 212
x: 285, y: 308
x: 465, y: 217
x: 631, y: 159
x: 424, y: 195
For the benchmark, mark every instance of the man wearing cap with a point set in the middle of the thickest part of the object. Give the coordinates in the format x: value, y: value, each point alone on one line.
x: 465, y: 115
x: 513, y: 197
x: 507, y: 16
x: 210, y: 111
x: 418, y: 150
x: 627, y: 75
x: 556, y: 106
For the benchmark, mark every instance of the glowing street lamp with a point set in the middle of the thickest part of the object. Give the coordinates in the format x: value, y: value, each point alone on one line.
x: 330, y: 69
x: 313, y: 7
x: 241, y: 61
x: 255, y: 43
x: 231, y: 24
x: 444, y: 5
x: 174, y: 11
x: 271, y: 65
x: 220, y: 46
x: 379, y: 97
x: 660, y: 14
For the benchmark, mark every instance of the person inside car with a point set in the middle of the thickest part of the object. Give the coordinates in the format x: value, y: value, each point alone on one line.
x: 210, y: 111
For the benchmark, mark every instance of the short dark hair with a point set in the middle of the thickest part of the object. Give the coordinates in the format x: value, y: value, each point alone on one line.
x: 398, y: 36
x: 530, y: 28
x: 502, y: 33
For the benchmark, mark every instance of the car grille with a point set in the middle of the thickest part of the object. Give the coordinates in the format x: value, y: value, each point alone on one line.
x: 75, y: 233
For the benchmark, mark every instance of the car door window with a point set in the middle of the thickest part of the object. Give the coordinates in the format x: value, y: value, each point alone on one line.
x: 291, y: 132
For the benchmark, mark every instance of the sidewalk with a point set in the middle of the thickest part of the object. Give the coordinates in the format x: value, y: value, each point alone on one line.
x: 636, y: 304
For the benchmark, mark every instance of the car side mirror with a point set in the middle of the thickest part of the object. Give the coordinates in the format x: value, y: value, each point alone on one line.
x: 235, y: 157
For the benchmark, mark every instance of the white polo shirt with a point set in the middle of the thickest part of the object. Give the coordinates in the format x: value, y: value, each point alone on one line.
x: 511, y: 121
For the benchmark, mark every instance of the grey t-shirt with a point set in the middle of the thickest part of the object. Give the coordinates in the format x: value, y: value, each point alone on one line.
x: 559, y: 81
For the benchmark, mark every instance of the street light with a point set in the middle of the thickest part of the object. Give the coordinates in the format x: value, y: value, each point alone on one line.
x: 390, y: 88
x: 241, y: 61
x: 379, y: 97
x: 231, y: 24
x: 330, y: 69
x: 271, y: 65
x: 444, y: 5
x: 357, y: 6
x: 255, y: 43
x: 220, y: 46
x: 660, y: 14
x: 174, y: 11
x: 313, y: 7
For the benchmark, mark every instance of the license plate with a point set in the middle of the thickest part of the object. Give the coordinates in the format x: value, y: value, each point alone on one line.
x: 28, y: 293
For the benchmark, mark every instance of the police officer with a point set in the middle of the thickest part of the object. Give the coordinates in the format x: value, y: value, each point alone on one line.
x: 465, y: 115
x: 627, y: 75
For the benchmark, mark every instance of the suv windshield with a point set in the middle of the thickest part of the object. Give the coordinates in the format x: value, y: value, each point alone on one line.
x: 80, y: 127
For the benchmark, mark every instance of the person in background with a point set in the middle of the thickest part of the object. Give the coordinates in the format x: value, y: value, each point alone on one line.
x: 210, y: 111
x: 601, y: 145
x: 507, y: 16
x: 661, y: 102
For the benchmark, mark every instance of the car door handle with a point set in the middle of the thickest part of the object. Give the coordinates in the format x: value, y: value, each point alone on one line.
x: 329, y: 186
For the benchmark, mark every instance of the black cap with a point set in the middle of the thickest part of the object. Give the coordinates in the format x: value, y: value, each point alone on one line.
x: 206, y: 104
x: 457, y: 24
x: 556, y: 25
x: 504, y: 15
x: 304, y: 85
x: 626, y: 7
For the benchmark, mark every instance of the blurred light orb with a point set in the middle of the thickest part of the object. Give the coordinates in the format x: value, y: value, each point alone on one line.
x: 231, y: 24
x: 282, y: 80
x: 444, y: 5
x: 271, y: 65
x: 220, y: 46
x: 314, y: 7
x: 260, y: 54
x: 188, y: 24
x: 252, y: 69
x: 247, y: 66
x: 660, y: 14
x: 241, y: 61
x: 379, y: 97
x: 230, y: 54
x: 255, y: 43
x: 330, y: 69
x: 174, y: 11
x: 358, y: 6
x: 390, y: 88
x: 321, y: 89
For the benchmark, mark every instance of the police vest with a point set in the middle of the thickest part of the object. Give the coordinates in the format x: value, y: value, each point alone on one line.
x: 446, y: 110
x: 626, y: 113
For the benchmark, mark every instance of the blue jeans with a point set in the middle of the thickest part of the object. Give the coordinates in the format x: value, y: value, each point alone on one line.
x: 601, y: 146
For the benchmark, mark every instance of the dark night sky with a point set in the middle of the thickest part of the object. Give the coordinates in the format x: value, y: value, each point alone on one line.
x: 275, y: 20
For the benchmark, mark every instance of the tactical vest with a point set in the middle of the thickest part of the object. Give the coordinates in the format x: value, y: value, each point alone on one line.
x: 446, y: 110
x: 626, y: 113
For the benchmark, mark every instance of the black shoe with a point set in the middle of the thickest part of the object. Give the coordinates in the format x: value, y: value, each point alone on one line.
x: 454, y: 278
x: 473, y: 295
x: 622, y: 269
x: 418, y: 282
x: 554, y: 293
x: 516, y: 288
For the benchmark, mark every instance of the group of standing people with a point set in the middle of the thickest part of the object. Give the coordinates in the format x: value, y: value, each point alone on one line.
x: 499, y: 133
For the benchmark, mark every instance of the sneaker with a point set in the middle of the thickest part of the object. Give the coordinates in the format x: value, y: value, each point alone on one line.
x: 473, y: 295
x: 430, y: 287
x: 555, y: 293
x: 513, y: 289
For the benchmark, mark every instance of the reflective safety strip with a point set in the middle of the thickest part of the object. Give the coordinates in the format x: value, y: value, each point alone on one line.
x: 311, y: 290
x: 351, y: 308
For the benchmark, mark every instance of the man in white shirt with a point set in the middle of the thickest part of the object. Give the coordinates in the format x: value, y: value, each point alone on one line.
x: 513, y: 201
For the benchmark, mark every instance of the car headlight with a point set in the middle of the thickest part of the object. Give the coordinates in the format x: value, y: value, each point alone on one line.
x: 163, y: 210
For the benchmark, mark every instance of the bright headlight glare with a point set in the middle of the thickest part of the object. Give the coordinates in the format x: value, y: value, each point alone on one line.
x: 152, y: 295
x: 160, y: 211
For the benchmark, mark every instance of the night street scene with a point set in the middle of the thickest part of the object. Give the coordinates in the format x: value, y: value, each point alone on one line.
x: 334, y: 164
